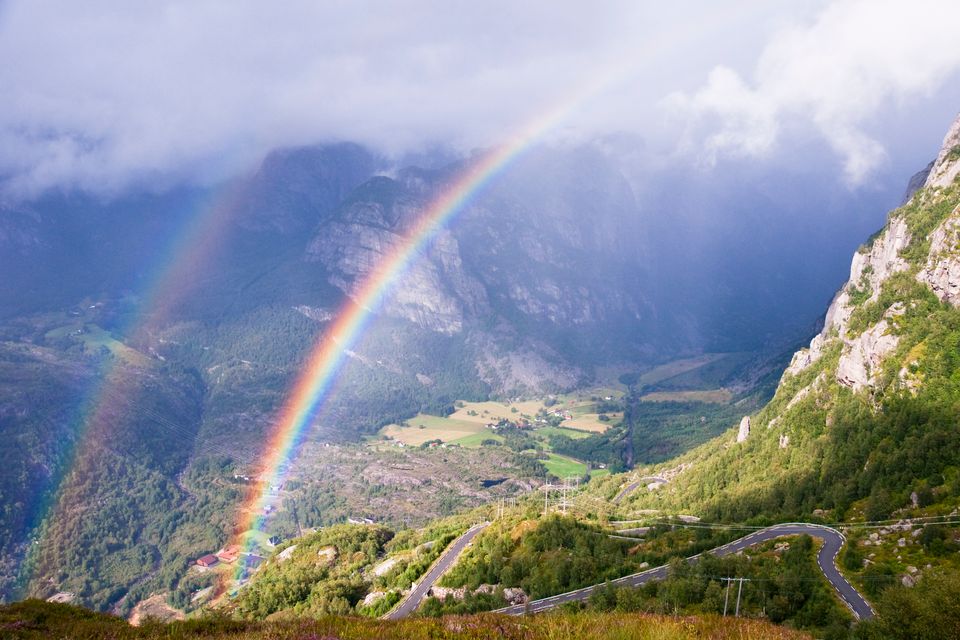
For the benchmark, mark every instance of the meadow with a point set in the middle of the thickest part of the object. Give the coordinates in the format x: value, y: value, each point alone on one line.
x: 467, y: 425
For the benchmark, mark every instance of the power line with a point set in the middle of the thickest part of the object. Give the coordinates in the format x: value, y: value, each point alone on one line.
x: 726, y: 599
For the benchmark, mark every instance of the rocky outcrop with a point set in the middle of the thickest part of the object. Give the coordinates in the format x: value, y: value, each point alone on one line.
x: 862, y: 355
x: 374, y: 597
x: 869, y: 269
x: 947, y: 165
x: 368, y: 234
x: 916, y: 182
x: 515, y: 595
x: 531, y: 369
x: 744, y: 431
x: 861, y: 359
x: 942, y: 270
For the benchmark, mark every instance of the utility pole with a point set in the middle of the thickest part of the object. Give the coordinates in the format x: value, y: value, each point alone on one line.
x: 739, y: 592
x: 726, y: 598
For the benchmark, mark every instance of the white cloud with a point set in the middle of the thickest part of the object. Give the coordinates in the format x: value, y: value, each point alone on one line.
x: 855, y: 59
x: 98, y: 93
x: 103, y: 93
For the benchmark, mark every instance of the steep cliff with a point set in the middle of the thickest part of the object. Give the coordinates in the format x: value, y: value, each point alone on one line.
x: 868, y: 409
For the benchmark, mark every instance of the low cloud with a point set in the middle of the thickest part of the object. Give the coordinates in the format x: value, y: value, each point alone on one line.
x: 834, y: 73
x: 104, y: 94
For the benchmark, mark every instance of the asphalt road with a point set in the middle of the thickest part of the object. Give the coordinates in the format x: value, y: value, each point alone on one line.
x: 826, y: 559
x: 447, y: 560
x: 630, y: 488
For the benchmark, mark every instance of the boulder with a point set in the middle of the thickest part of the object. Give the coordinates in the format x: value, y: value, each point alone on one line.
x: 373, y: 597
x: 515, y: 595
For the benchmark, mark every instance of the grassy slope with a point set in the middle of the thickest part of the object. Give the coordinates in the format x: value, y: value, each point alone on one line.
x: 37, y: 620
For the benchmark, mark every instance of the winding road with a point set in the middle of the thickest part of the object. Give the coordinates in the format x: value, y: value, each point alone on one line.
x: 630, y: 488
x: 446, y: 560
x: 826, y: 559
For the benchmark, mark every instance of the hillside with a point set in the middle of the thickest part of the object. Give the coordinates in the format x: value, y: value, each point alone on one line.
x: 862, y: 428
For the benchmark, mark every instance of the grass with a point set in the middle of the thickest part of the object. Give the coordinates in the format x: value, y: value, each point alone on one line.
x: 423, y: 428
x: 562, y: 431
x: 467, y: 426
x: 562, y: 466
x: 94, y: 337
x: 35, y: 620
x: 477, y: 439
x: 677, y: 367
x: 713, y: 396
x: 591, y: 422
x: 491, y: 411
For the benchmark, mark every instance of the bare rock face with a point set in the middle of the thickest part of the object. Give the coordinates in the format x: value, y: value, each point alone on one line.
x: 433, y: 291
x: 523, y: 369
x: 442, y: 593
x: 860, y: 361
x: 947, y: 165
x: 916, y: 182
x: 868, y: 270
x: 784, y: 441
x: 942, y: 270
x: 744, y: 432
x: 882, y: 260
x: 806, y: 357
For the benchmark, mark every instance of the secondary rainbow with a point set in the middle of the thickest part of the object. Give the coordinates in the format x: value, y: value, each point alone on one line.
x: 112, y: 391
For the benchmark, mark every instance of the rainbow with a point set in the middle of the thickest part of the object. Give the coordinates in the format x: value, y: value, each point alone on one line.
x: 327, y: 356
x: 111, y: 392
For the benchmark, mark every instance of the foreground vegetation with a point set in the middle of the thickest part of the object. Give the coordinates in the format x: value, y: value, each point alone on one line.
x: 38, y: 620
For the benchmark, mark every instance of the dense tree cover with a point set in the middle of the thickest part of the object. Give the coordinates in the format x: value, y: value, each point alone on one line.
x: 928, y: 611
x: 471, y: 603
x: 322, y: 576
x: 554, y: 555
x: 651, y: 432
x: 123, y: 526
x: 786, y: 587
x: 141, y: 537
x: 39, y: 402
x: 331, y: 571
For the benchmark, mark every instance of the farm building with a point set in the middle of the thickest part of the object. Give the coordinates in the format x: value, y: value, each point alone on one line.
x: 207, y: 561
x: 229, y: 554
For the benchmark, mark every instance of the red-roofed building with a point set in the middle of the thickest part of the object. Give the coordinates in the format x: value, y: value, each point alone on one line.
x: 229, y: 554
x: 207, y: 561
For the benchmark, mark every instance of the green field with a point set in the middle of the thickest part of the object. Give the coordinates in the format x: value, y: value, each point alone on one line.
x: 477, y: 439
x: 562, y: 466
x: 423, y: 428
x: 714, y: 396
x: 94, y: 338
x: 561, y: 431
x: 677, y: 367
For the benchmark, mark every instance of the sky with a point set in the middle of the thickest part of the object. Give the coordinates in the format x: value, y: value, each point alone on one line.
x: 105, y: 95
